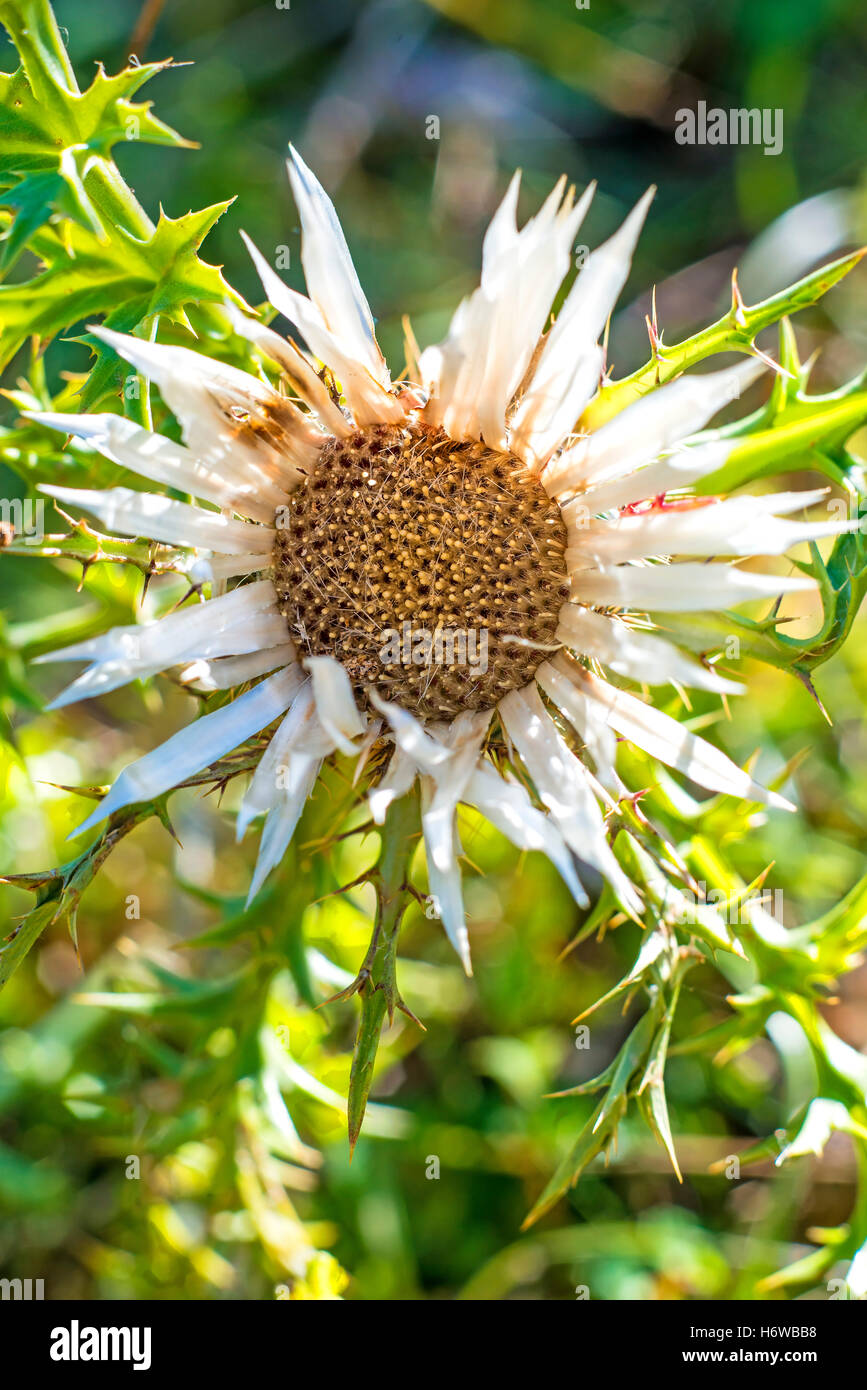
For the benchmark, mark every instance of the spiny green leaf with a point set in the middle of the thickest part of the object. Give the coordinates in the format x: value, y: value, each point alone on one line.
x: 590, y: 1142
x: 734, y: 332
x: 55, y: 156
x: 651, y: 1088
x: 603, y: 1122
x: 126, y: 278
x: 653, y: 946
x: 814, y: 424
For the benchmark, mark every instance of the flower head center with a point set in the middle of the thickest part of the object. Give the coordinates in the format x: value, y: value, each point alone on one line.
x: 417, y: 561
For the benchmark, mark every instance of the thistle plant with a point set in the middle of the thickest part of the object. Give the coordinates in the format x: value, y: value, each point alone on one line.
x: 497, y: 586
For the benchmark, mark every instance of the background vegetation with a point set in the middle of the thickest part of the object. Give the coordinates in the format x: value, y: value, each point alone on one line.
x: 181, y: 1134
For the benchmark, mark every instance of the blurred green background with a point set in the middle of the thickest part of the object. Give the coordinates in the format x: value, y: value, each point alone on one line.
x: 148, y: 1151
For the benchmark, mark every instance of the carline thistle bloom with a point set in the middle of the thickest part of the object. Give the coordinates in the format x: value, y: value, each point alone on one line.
x: 345, y: 510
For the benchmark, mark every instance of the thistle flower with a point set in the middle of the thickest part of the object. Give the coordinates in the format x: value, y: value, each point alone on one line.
x: 345, y: 512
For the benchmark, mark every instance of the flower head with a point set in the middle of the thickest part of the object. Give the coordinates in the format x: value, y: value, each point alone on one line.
x: 447, y: 566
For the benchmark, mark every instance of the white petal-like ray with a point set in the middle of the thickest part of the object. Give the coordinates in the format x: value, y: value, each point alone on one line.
x: 332, y: 282
x: 427, y: 753
x: 368, y: 400
x: 216, y: 569
x: 680, y: 588
x: 238, y: 423
x: 464, y: 738
x: 507, y: 805
x: 236, y: 624
x: 198, y: 745
x: 569, y: 367
x: 298, y: 732
x: 639, y: 656
x: 280, y: 825
x: 665, y: 738
x: 442, y: 365
x: 445, y: 888
x: 225, y: 672
x: 598, y: 736
x: 146, y: 641
x: 541, y: 254
x: 668, y: 474
x: 335, y: 703
x: 159, y: 459
x: 480, y: 365
x: 161, y: 519
x: 561, y: 781
x: 736, y: 526
x: 296, y: 366
x: 644, y: 430
x: 395, y: 782
x: 597, y: 288
x: 545, y: 418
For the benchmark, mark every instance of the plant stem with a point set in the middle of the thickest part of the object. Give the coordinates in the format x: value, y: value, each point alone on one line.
x: 376, y: 983
x: 734, y: 332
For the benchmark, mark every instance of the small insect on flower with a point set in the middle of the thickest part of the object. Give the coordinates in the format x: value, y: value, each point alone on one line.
x: 463, y: 502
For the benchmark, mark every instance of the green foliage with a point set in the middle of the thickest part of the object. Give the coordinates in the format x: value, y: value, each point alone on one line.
x: 98, y: 251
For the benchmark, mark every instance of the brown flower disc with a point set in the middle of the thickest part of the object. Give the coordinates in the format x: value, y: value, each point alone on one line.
x: 401, y: 534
